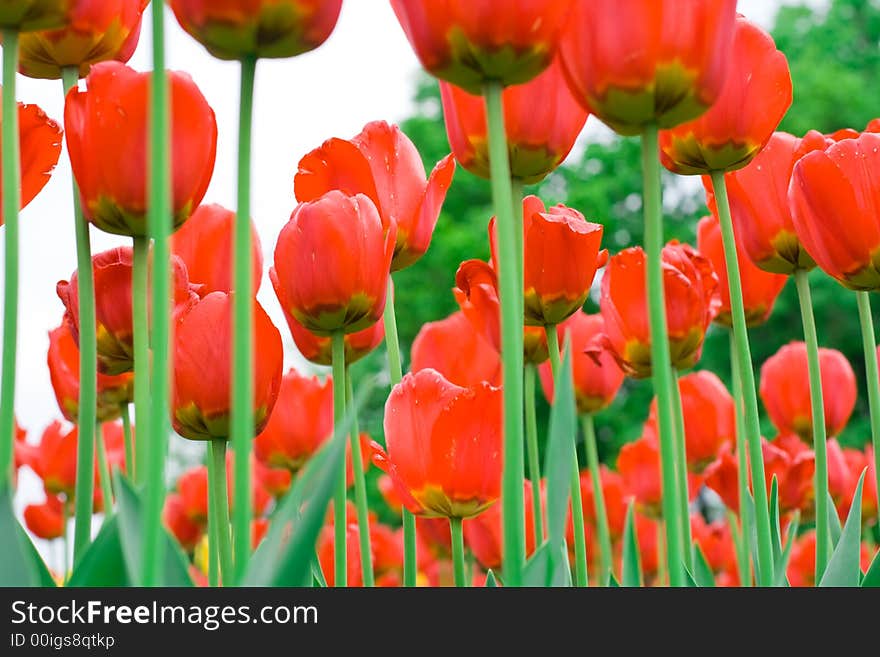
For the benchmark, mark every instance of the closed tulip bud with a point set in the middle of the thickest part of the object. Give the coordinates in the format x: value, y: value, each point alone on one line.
x: 542, y: 118
x: 46, y: 520
x: 444, y: 446
x: 756, y: 95
x: 174, y: 515
x: 235, y: 29
x: 28, y: 15
x: 785, y: 390
x: 201, y: 403
x: 453, y: 348
x: 636, y: 63
x: 483, y: 533
x: 639, y: 464
x: 108, y: 136
x: 318, y: 349
x: 193, y: 488
x: 615, y: 497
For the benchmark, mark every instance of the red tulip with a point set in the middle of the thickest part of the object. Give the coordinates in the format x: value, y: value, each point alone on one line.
x: 756, y: 95
x: 28, y: 15
x: 443, y: 445
x: 470, y: 43
x: 794, y: 476
x: 114, y: 392
x: 647, y: 533
x: 722, y: 477
x: 835, y: 197
x: 326, y: 550
x: 96, y: 32
x: 110, y: 119
x: 204, y: 243
x: 53, y: 459
x: 555, y: 288
x: 276, y: 481
x: 483, y: 533
x: 453, y: 348
x: 692, y: 301
x: 319, y: 349
x: 332, y: 263
x: 201, y: 403
x: 542, y: 118
x: 615, y: 497
x: 193, y: 488
x: 597, y: 376
x: 857, y: 461
x: 639, y: 464
x: 260, y: 497
x: 873, y: 126
x: 174, y: 515
x: 760, y: 289
x: 389, y: 493
x: 785, y: 390
x: 716, y: 542
x: 235, y: 29
x: 383, y: 164
x: 113, y: 306
x: 46, y: 520
x: 636, y: 63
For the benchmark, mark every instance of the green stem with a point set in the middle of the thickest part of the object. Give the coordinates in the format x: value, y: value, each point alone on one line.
x: 577, y: 503
x: 360, y: 491
x: 65, y: 558
x: 605, y: 550
x: 160, y: 225
x: 340, y: 552
x: 458, y: 552
x: 742, y: 478
x: 242, y: 328
x: 220, y: 492
x: 392, y: 346
x: 517, y: 186
x: 681, y: 472
x: 511, y: 289
x: 869, y: 344
x: 532, y: 450
x: 747, y: 381
x: 11, y: 155
x: 141, y: 336
x: 104, y: 473
x: 660, y: 358
x: 820, y: 448
x: 129, y: 441
x: 213, y: 554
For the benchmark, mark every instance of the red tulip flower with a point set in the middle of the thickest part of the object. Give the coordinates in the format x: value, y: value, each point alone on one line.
x: 597, y: 376
x: 383, y: 164
x: 469, y: 43
x: 276, y: 481
x: 326, y: 550
x: 96, y: 32
x: 46, y: 520
x: 648, y: 533
x: 235, y: 29
x: 53, y: 459
x: 201, y: 404
x: 454, y: 348
x: 615, y: 496
x: 760, y: 289
x: 444, y: 445
x: 873, y: 126
x: 204, y: 243
x: 692, y: 301
x: 483, y: 533
x: 28, y: 15
x: 193, y: 489
x: 785, y: 390
x: 319, y: 349
x: 639, y: 465
x: 176, y: 519
x: 756, y: 95
x: 722, y: 477
x: 63, y: 359
x: 542, y: 118
x: 110, y: 119
x: 332, y: 263
x: 835, y: 198
x: 635, y: 63
x: 716, y: 542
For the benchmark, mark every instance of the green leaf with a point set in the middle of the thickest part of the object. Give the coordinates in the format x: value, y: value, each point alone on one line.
x: 775, y: 530
x: 843, y: 567
x: 833, y: 521
x: 103, y: 564
x: 632, y: 562
x: 690, y: 582
x: 872, y: 577
x: 702, y: 570
x: 537, y: 572
x: 20, y: 563
x: 612, y: 581
x: 781, y: 566
x: 491, y: 582
x: 318, y: 575
x: 558, y: 465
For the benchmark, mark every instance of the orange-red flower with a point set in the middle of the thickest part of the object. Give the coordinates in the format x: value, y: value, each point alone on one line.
x: 201, y: 403
x: 542, y: 118
x: 615, y: 496
x: 444, y: 446
x: 383, y: 164
x: 555, y: 288
x: 721, y: 476
x: 452, y: 347
x: 785, y: 390
x: 483, y: 533
x: 794, y: 475
x: 597, y: 376
x: 802, y: 564
x: 108, y: 135
x: 332, y: 263
x: 27, y: 15
x: 193, y: 488
x: 187, y: 531
x: 96, y: 32
x: 470, y: 43
x: 636, y: 63
x: 716, y: 541
x: 756, y: 95
x: 639, y: 464
x: 319, y: 349
x: 204, y: 243
x: 760, y: 289
x: 873, y: 125
x: 46, y: 520
x: 234, y: 29
x: 53, y: 459
x: 835, y: 197
x: 326, y: 550
x: 692, y: 301
x: 63, y: 360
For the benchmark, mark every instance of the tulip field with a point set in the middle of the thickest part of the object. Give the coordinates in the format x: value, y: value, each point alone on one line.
x: 467, y: 476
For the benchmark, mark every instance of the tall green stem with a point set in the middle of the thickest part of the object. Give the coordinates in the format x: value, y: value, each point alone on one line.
x: 129, y: 440
x: 220, y: 492
x: 605, y: 551
x: 360, y: 490
x: 817, y: 402
x: 532, y: 450
x: 340, y: 552
x: 11, y: 155
x: 869, y: 345
x: 242, y: 327
x: 160, y: 224
x: 747, y: 381
x: 140, y: 303
x: 661, y: 364
x: 681, y: 473
x: 213, y: 553
x: 392, y: 346
x: 104, y: 470
x: 511, y: 289
x: 742, y: 478
x: 458, y: 552
x: 577, y: 503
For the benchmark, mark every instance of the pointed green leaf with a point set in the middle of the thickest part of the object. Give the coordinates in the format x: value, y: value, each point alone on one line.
x: 843, y: 567
x: 558, y: 466
x: 775, y: 530
x: 537, y: 572
x: 632, y: 562
x: 612, y: 581
x: 702, y: 570
x: 781, y: 566
x: 872, y: 577
x: 833, y: 521
x: 318, y: 575
x: 103, y: 564
x: 690, y: 582
x: 20, y: 563
x: 491, y: 582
